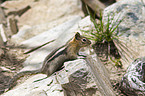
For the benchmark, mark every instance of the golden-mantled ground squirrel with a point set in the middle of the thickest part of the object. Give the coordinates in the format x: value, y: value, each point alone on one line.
x: 54, y: 61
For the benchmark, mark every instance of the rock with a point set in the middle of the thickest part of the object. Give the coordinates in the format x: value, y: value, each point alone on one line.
x: 15, y: 5
x: 133, y: 82
x: 31, y: 86
x: 76, y: 78
x: 61, y: 34
x: 132, y: 26
x: 45, y: 11
x: 42, y: 15
x: 133, y: 13
x: 51, y: 10
x: 27, y: 32
x: 37, y: 93
x: 75, y: 73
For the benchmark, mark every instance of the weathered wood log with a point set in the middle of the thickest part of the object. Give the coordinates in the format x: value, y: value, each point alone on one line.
x: 101, y: 75
x: 95, y: 5
x: 19, y: 12
x: 12, y: 24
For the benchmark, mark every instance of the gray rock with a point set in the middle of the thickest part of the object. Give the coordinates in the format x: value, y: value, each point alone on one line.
x: 133, y: 12
x: 131, y: 28
x: 42, y: 16
x: 77, y: 82
x: 75, y: 77
x: 75, y: 73
x: 61, y: 33
x: 43, y: 11
x: 132, y: 82
x: 31, y: 86
x: 27, y: 32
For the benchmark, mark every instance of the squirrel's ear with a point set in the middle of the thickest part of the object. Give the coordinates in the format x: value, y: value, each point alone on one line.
x: 77, y: 35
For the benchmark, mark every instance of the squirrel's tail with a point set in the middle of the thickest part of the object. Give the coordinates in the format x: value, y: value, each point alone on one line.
x: 12, y: 81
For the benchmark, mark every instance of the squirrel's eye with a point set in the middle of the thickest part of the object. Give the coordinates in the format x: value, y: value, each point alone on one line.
x: 84, y: 40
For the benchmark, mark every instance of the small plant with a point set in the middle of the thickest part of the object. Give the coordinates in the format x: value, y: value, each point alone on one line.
x: 102, y: 32
x: 104, y: 36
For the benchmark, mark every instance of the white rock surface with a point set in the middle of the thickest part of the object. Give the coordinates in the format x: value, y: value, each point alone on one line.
x: 52, y: 86
x: 44, y: 11
x: 61, y: 33
x: 133, y: 25
x: 42, y: 16
x: 40, y: 88
x: 27, y: 32
x: 133, y: 29
x: 77, y: 70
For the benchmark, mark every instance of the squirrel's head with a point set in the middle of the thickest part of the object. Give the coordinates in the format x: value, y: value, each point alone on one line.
x: 81, y: 40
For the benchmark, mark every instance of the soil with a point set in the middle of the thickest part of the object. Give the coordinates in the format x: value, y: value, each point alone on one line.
x: 11, y: 59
